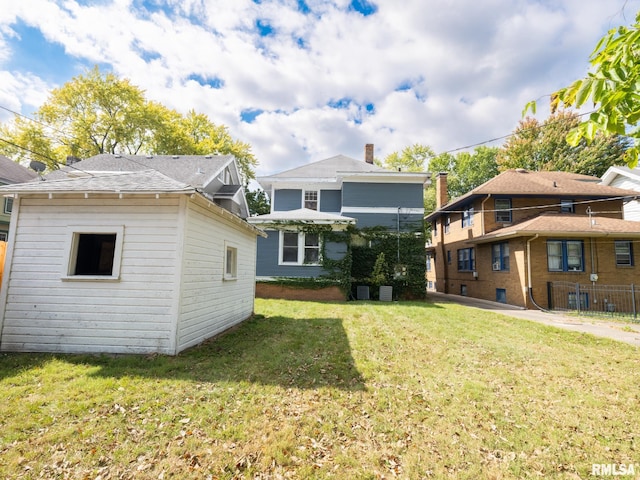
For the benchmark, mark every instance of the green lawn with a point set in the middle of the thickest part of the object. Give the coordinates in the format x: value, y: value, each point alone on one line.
x: 323, y: 390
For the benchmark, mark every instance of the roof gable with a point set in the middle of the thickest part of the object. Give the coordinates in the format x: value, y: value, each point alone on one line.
x: 13, y: 172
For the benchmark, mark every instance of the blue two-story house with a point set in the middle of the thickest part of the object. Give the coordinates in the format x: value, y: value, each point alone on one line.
x: 336, y: 192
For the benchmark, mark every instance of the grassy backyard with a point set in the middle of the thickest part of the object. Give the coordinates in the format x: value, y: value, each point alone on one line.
x: 324, y: 390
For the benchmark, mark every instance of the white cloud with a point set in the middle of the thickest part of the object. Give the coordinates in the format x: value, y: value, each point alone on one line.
x: 467, y: 67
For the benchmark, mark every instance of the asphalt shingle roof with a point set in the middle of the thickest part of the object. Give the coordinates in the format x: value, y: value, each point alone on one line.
x: 191, y: 169
x: 120, y: 182
x: 13, y: 172
x: 329, y: 168
x: 565, y: 224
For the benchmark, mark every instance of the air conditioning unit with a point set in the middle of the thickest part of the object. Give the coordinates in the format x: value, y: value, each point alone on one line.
x: 496, y: 266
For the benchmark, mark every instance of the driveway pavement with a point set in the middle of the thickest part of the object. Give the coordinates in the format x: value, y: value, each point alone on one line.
x: 622, y: 331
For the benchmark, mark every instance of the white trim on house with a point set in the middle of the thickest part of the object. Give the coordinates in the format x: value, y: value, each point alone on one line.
x: 71, y: 252
x: 301, y: 249
x: 393, y: 210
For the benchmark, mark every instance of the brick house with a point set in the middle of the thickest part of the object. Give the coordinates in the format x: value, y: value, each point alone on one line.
x: 506, y: 239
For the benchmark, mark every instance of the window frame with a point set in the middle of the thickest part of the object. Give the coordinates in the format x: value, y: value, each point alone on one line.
x: 565, y: 255
x: 301, y: 247
x: 502, y: 254
x: 467, y: 264
x: 629, y: 253
x: 230, y: 274
x: 447, y: 224
x: 567, y: 206
x: 71, y: 252
x: 8, y: 205
x: 501, y: 210
x: 428, y: 262
x: 467, y: 217
x: 317, y: 199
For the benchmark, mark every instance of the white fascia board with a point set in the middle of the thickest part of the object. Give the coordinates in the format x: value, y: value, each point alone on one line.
x: 384, y: 177
x: 301, y: 183
x: 610, y: 175
x: 394, y: 210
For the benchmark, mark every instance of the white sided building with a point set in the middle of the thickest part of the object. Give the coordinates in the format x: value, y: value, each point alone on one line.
x: 124, y: 258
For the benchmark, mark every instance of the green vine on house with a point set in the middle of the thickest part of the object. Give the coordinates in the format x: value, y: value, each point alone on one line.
x: 404, y: 252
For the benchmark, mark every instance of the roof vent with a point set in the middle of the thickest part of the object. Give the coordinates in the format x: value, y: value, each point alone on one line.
x: 199, y: 171
x: 175, y: 156
x: 117, y: 155
x: 149, y: 156
x: 208, y: 156
x: 521, y: 170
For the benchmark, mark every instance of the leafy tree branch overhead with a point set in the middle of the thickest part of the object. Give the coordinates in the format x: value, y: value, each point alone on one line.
x: 100, y: 113
x: 613, y: 86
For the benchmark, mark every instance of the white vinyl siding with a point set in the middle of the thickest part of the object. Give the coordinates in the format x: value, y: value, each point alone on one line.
x: 45, y: 313
x: 631, y: 209
x: 209, y: 305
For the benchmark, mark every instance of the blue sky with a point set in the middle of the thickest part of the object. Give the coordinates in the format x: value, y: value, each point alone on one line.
x: 302, y: 80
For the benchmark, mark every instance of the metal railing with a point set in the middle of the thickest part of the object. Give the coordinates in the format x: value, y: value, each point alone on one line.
x: 594, y: 299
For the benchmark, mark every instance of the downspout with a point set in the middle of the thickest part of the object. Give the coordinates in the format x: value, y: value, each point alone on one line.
x: 530, y: 286
x: 482, y: 210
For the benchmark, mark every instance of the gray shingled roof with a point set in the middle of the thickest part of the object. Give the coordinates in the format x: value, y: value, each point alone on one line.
x: 146, y: 181
x: 329, y: 167
x: 194, y: 170
x: 13, y: 172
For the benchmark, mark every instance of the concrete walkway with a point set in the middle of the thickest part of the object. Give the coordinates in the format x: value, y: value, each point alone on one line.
x: 621, y: 331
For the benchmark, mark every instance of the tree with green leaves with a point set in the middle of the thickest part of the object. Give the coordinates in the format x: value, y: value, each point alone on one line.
x: 543, y: 146
x: 612, y: 86
x: 99, y: 113
x: 410, y: 159
x: 258, y: 202
x: 465, y: 171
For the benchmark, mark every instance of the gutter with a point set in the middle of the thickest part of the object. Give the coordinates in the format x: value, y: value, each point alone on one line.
x: 530, y: 286
x: 482, y: 210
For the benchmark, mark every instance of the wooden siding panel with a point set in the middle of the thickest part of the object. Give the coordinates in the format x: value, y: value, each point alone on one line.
x: 45, y: 313
x: 382, y: 195
x: 287, y: 199
x: 209, y: 304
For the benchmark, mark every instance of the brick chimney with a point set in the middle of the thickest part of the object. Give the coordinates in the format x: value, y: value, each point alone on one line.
x: 441, y: 190
x: 368, y: 153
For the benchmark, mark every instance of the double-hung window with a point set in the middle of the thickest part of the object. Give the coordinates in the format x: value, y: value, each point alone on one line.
x: 565, y: 256
x: 311, y: 199
x: 500, y: 256
x: 624, y: 253
x: 502, y: 207
x: 466, y: 259
x: 298, y: 248
x: 467, y: 217
x: 429, y: 262
x: 447, y: 223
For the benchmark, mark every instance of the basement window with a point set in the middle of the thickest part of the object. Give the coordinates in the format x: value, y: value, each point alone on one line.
x: 93, y: 253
